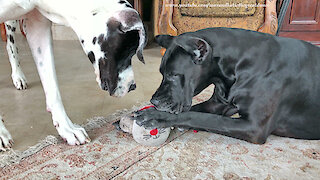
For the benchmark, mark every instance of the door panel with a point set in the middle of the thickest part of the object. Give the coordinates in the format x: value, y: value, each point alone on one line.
x: 302, y: 15
x: 302, y: 21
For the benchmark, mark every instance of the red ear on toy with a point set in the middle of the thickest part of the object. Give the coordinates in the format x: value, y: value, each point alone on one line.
x: 154, y: 132
x: 146, y: 107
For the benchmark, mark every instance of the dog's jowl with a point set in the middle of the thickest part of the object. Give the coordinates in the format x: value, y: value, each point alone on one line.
x: 271, y: 82
x: 110, y: 32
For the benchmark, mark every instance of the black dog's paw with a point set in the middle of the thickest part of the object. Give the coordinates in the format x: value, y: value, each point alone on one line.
x: 153, y: 118
x: 156, y: 123
x: 143, y: 115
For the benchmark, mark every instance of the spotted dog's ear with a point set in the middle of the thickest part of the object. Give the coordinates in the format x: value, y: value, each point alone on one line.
x: 164, y: 40
x: 197, y: 47
x: 133, y: 22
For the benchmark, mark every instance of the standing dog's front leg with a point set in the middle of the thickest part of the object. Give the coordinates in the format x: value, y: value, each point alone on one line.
x: 39, y: 37
x: 18, y: 78
x: 5, y: 137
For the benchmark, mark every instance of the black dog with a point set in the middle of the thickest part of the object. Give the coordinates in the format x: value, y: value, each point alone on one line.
x: 272, y: 82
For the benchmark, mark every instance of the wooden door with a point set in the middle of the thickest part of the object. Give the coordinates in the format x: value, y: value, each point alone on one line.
x: 302, y: 21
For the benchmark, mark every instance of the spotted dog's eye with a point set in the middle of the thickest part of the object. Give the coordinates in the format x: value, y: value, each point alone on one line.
x: 121, y: 31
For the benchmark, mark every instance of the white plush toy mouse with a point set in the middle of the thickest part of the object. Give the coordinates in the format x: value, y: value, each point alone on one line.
x: 147, y: 137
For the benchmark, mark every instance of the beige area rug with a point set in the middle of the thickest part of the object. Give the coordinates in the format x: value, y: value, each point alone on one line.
x: 186, y: 155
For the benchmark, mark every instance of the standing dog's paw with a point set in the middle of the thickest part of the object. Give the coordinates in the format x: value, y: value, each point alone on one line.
x: 19, y: 80
x: 73, y: 134
x: 6, y: 141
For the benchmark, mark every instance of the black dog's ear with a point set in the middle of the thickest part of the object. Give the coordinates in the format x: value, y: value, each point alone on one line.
x: 197, y: 47
x: 164, y: 40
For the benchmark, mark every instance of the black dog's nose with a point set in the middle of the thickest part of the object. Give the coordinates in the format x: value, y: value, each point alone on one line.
x: 132, y: 87
x: 155, y: 102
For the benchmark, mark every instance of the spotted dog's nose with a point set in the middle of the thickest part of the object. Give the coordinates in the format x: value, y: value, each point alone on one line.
x: 132, y: 87
x: 104, y: 86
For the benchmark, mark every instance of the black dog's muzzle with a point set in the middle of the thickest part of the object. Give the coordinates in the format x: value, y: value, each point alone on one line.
x: 168, y: 106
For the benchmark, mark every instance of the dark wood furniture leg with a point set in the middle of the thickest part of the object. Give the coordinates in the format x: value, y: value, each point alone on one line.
x: 165, y: 21
x: 3, y: 32
x: 138, y: 6
x: 270, y: 25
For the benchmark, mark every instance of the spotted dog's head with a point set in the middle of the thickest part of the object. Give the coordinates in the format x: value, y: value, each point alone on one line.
x: 112, y: 46
x: 185, y: 68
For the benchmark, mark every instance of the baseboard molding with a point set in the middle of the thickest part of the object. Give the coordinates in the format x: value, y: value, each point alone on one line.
x: 312, y: 37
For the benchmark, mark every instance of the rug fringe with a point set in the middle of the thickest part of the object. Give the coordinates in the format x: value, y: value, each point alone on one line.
x: 12, y: 156
x: 16, y: 156
x: 100, y: 121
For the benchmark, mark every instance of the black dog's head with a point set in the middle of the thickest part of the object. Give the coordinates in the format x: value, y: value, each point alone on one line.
x: 186, y: 61
x: 110, y: 47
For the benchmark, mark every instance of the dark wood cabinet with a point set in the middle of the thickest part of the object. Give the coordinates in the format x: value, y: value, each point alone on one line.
x: 137, y: 4
x: 302, y: 21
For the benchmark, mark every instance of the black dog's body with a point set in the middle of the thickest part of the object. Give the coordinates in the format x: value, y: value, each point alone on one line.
x: 272, y: 82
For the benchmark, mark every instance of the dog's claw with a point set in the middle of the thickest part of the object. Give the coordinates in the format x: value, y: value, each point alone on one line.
x: 19, y: 80
x: 11, y: 142
x: 137, y: 113
x: 77, y: 143
x: 88, y: 140
x: 139, y: 123
x: 73, y: 134
x: 6, y: 141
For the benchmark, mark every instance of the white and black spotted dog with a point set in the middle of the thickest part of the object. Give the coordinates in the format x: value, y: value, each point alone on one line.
x: 110, y: 32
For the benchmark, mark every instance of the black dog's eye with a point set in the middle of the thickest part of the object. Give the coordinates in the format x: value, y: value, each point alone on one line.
x: 173, y: 76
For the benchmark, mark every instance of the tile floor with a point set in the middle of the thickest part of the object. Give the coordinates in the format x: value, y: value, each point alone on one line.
x: 24, y: 111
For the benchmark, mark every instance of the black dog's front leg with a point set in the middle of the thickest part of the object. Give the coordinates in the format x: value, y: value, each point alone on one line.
x: 236, y: 128
x: 233, y: 127
x: 218, y: 103
x: 213, y: 107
